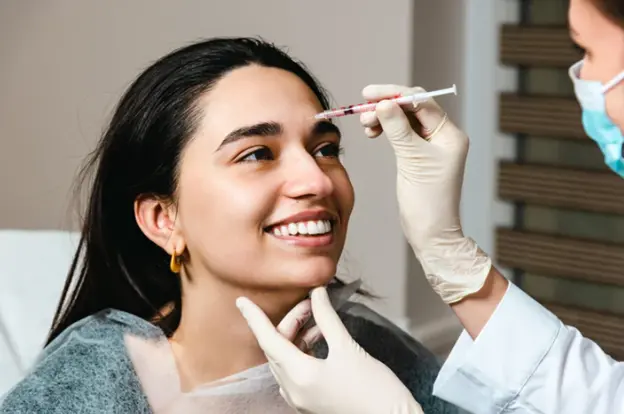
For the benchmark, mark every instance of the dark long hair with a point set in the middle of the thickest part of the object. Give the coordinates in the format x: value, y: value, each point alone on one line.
x: 116, y: 265
x: 613, y: 10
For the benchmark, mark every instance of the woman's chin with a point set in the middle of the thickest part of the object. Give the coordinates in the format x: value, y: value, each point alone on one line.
x: 311, y: 272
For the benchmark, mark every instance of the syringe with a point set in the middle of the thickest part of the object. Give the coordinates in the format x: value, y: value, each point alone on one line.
x: 370, y: 106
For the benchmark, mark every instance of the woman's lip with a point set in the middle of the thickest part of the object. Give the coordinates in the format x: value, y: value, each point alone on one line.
x: 307, y: 241
x: 310, y: 215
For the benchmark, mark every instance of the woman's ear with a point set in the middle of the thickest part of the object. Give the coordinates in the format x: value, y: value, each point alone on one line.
x: 157, y: 220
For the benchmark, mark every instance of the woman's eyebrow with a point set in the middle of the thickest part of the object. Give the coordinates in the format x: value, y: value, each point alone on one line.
x: 262, y: 129
x: 274, y: 129
x: 323, y: 127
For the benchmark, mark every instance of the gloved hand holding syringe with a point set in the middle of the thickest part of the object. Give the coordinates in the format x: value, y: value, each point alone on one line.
x: 411, y: 99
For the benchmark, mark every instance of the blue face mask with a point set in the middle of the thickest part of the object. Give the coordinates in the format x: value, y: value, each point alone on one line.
x: 596, y: 122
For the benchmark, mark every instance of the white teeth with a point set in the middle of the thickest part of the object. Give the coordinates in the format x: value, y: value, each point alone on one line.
x: 313, y: 228
x: 303, y: 228
x: 323, y: 226
x: 292, y: 229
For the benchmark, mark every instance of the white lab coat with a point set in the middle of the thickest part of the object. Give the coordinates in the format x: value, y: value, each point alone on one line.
x: 527, y: 361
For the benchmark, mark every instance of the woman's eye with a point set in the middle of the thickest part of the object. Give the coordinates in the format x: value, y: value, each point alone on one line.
x: 261, y: 154
x: 329, y: 150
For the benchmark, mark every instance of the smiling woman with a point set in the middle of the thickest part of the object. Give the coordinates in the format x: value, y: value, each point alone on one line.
x: 213, y: 180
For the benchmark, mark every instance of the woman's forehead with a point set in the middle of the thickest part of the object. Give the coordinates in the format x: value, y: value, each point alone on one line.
x: 586, y: 21
x: 256, y: 94
x: 258, y: 86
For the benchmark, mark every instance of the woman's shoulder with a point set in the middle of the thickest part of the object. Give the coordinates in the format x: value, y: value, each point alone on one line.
x: 83, y: 370
x: 415, y: 365
x: 109, y: 321
x: 98, y: 333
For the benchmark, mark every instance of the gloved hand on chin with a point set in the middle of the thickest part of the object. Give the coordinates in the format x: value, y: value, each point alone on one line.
x: 348, y: 381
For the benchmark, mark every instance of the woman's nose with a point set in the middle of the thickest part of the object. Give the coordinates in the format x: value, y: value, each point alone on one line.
x: 304, y: 178
x: 587, y: 71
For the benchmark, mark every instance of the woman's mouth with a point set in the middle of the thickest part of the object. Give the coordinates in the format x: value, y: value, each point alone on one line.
x: 302, y: 228
x: 309, y: 233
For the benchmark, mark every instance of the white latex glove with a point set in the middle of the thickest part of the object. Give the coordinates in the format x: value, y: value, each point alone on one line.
x: 429, y: 182
x: 348, y: 381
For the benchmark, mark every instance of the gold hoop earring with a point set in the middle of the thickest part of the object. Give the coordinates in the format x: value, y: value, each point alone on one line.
x: 175, y: 265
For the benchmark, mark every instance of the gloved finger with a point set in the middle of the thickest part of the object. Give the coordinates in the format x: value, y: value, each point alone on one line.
x: 369, y: 119
x: 395, y: 123
x: 308, y: 338
x: 294, y: 320
x: 373, y: 132
x: 275, y: 346
x: 327, y: 319
x: 379, y: 92
x: 429, y: 114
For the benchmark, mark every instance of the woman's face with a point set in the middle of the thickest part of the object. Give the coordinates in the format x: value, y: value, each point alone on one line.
x: 263, y: 199
x: 603, y: 43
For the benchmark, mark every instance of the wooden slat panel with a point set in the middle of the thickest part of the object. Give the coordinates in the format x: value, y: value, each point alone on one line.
x: 545, y: 46
x: 594, y: 191
x: 605, y: 329
x: 561, y: 257
x: 548, y: 116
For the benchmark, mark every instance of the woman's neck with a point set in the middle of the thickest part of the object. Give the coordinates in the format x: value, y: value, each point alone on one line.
x: 213, y: 340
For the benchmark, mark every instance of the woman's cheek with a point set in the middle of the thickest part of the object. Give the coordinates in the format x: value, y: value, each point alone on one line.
x: 615, y: 106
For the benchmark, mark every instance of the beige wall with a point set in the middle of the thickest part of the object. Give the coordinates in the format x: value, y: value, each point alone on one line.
x: 438, y: 60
